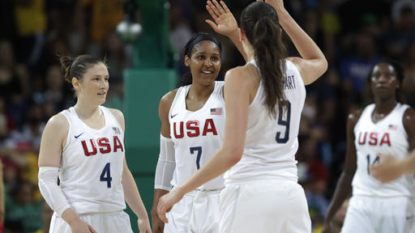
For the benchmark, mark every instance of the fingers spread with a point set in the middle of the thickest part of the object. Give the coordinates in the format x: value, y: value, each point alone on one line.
x: 211, y: 12
x: 214, y: 10
x: 212, y: 24
x: 219, y: 7
x: 225, y: 7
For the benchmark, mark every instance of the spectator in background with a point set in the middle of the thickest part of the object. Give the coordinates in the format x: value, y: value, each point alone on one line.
x: 31, y: 24
x: 23, y: 211
x: 180, y: 33
x: 47, y: 214
x: 354, y: 70
x: 402, y: 34
x: 104, y: 17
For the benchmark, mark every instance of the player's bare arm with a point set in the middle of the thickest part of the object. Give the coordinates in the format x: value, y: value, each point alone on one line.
x: 344, y: 185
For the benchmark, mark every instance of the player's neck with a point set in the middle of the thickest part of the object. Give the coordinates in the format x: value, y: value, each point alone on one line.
x: 85, y: 111
x: 385, y: 107
x: 198, y: 92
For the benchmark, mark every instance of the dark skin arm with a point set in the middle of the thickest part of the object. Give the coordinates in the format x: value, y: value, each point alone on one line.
x: 409, y: 124
x: 344, y: 185
x: 164, y: 108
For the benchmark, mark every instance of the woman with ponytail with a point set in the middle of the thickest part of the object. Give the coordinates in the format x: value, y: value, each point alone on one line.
x: 263, y: 101
x: 83, y: 174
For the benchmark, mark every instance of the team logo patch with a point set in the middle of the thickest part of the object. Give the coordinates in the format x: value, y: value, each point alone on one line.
x: 216, y: 111
x: 116, y: 130
x: 393, y: 127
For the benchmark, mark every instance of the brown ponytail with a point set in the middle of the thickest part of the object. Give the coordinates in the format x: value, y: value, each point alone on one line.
x: 66, y: 66
x: 262, y: 29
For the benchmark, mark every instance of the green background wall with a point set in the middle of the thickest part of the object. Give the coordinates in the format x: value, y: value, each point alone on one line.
x: 143, y: 91
x: 152, y: 76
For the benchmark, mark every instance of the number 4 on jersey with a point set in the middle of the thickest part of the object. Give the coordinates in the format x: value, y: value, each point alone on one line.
x: 106, y: 175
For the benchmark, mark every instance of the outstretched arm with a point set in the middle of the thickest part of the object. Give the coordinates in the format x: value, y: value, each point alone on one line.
x: 237, y: 103
x: 225, y: 23
x: 312, y: 63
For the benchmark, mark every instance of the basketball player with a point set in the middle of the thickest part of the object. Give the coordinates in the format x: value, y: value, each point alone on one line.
x: 193, y: 119
x: 264, y: 100
x: 84, y: 147
x: 386, y: 126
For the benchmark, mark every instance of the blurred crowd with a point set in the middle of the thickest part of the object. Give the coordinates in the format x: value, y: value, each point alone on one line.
x: 32, y: 88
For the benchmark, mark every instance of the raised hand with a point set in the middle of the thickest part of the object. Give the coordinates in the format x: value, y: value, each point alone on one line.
x: 277, y: 4
x: 225, y: 23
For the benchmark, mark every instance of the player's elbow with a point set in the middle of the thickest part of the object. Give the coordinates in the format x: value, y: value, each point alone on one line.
x: 235, y: 155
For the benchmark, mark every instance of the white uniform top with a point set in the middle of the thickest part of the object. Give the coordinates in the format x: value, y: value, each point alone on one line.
x: 271, y: 143
x: 196, y: 135
x: 92, y: 165
x: 388, y: 136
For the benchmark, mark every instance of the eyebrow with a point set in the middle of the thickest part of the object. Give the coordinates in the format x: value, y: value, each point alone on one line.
x: 203, y: 53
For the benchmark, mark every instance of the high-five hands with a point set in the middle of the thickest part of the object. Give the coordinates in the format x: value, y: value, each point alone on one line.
x: 225, y: 23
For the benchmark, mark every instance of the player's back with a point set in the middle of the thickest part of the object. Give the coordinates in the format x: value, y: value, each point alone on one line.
x: 388, y: 136
x: 92, y: 165
x: 197, y: 135
x: 271, y: 143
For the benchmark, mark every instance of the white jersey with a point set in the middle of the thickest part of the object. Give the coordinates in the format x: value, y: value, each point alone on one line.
x: 92, y: 165
x: 196, y: 135
x: 388, y: 136
x: 271, y: 143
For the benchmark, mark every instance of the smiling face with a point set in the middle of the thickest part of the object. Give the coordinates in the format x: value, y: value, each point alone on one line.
x: 93, y: 86
x: 384, y: 81
x: 204, y: 62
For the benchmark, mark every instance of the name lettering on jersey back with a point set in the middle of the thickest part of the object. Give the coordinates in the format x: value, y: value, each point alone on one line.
x: 102, y: 144
x: 192, y: 128
x: 374, y: 139
x: 289, y: 82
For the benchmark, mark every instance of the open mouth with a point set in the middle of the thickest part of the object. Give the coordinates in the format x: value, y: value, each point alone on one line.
x: 103, y: 93
x: 207, y: 72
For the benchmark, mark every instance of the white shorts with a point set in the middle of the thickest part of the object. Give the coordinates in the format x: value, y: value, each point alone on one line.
x: 367, y: 214
x: 101, y: 222
x: 197, y: 212
x: 271, y: 206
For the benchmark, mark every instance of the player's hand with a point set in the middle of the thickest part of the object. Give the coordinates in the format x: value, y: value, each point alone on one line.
x: 81, y: 227
x: 277, y: 4
x: 158, y: 225
x: 144, y: 226
x: 166, y: 202
x: 387, y: 169
x: 225, y: 23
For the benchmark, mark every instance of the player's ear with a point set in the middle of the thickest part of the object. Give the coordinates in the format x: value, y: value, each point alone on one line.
x: 186, y: 61
x: 75, y: 83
